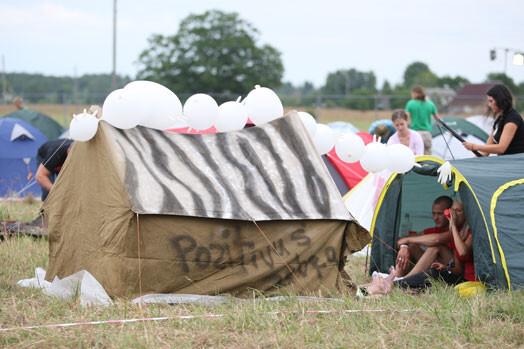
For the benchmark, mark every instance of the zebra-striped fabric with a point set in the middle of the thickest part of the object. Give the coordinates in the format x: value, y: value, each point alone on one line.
x: 267, y: 172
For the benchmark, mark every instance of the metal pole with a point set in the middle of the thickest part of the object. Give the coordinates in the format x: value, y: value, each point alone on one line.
x: 505, y: 60
x: 113, y: 79
x: 317, y: 112
x: 376, y: 107
x: 348, y: 86
x: 75, y: 88
x: 64, y: 115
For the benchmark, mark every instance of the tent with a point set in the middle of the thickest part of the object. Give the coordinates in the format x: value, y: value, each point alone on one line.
x: 482, y: 121
x: 447, y: 147
x: 45, y: 124
x: 146, y: 211
x: 19, y: 143
x: 343, y: 127
x: 362, y: 199
x: 491, y: 189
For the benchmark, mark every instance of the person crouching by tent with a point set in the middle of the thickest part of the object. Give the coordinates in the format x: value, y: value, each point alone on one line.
x: 461, y: 267
x: 424, y: 248
x: 507, y: 136
x: 51, y: 156
x: 383, y: 129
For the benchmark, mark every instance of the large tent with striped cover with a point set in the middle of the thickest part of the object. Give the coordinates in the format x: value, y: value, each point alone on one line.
x: 147, y: 211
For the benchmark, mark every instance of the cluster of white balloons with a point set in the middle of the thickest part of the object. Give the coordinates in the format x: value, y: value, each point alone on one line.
x: 350, y: 148
x: 144, y: 103
x: 153, y: 105
x: 261, y: 105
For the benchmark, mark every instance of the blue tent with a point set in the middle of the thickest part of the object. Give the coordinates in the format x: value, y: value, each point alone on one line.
x: 19, y: 143
x: 343, y: 126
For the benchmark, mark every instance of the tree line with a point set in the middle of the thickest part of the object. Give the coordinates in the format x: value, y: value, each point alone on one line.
x: 218, y: 53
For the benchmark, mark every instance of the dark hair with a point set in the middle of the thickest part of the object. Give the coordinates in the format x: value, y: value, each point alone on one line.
x: 398, y: 114
x: 419, y: 93
x: 502, y: 96
x: 444, y: 200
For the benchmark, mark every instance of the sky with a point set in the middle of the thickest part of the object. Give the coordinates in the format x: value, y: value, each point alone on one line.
x: 61, y: 37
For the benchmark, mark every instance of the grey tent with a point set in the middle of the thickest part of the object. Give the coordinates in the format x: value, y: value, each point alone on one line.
x: 45, y: 124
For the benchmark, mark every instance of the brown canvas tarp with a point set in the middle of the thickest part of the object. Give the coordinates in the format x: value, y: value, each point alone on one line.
x: 92, y: 226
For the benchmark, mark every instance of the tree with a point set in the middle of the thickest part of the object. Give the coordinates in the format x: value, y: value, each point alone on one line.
x: 418, y: 73
x: 343, y: 82
x: 455, y: 83
x: 386, y: 88
x: 214, y: 52
x: 503, y: 78
x: 307, y: 88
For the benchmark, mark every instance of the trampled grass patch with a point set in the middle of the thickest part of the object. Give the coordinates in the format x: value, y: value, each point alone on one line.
x: 437, y: 318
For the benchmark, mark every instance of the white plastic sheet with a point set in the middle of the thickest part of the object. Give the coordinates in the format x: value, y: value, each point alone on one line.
x: 82, y: 283
x: 91, y: 293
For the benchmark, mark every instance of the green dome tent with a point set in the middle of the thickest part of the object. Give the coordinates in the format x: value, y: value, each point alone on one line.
x: 491, y: 189
x: 45, y: 124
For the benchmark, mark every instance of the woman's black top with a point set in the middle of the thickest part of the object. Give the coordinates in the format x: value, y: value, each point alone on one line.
x: 517, y: 143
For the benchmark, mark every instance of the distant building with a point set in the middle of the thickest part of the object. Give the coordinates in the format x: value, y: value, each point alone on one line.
x: 440, y: 96
x: 471, y: 99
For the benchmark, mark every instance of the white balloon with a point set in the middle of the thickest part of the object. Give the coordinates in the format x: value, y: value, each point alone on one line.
x: 156, y: 106
x: 324, y: 139
x: 349, y: 148
x: 200, y: 111
x: 83, y: 127
x: 309, y: 121
x: 231, y: 116
x: 374, y: 159
x: 263, y: 105
x: 118, y: 110
x: 400, y: 158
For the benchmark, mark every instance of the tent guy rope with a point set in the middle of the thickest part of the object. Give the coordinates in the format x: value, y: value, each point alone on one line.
x: 187, y: 317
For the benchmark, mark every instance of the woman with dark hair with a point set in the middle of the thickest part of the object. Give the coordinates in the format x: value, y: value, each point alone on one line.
x: 507, y: 136
x: 419, y: 111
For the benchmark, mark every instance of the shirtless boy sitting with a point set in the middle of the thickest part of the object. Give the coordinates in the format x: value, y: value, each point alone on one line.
x: 411, y: 248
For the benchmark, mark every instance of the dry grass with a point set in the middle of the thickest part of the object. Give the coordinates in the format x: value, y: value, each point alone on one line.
x: 439, y: 318
x: 22, y: 210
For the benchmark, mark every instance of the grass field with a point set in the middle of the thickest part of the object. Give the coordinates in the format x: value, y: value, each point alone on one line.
x: 438, y: 318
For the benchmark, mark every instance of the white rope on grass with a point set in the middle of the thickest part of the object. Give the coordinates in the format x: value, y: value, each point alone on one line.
x: 187, y: 317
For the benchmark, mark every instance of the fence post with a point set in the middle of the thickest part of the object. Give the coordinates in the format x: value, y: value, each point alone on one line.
x: 317, y: 111
x: 64, y: 117
x: 376, y: 107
